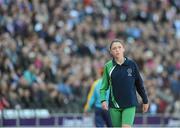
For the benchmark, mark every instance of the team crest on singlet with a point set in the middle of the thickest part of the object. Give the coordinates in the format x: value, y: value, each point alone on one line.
x: 129, y: 71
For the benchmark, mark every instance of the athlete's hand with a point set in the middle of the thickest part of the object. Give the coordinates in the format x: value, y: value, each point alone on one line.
x: 145, y: 107
x: 104, y: 105
x: 86, y: 113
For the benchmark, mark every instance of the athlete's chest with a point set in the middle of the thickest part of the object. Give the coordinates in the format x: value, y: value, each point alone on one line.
x: 123, y: 72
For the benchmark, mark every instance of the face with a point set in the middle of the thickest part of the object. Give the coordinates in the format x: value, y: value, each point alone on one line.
x: 117, y: 50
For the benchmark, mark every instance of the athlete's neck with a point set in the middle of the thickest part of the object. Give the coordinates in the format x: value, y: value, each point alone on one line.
x: 120, y: 60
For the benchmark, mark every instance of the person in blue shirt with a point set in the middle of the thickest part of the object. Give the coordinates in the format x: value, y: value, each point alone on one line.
x: 102, y: 117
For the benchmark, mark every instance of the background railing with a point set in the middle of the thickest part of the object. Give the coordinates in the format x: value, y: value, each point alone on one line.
x: 41, y: 117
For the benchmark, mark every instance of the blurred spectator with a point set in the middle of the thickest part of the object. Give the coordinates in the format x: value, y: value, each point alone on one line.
x: 29, y: 74
x: 4, y: 103
x: 175, y: 85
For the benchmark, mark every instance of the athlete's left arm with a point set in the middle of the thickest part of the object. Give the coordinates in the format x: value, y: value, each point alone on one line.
x: 140, y: 86
x: 91, y: 97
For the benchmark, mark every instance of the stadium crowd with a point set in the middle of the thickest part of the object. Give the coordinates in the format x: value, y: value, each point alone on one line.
x: 51, y: 50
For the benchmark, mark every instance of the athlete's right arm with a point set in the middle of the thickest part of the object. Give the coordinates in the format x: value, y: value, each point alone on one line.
x: 104, y: 88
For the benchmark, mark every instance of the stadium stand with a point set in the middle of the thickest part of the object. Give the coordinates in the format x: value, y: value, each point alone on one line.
x: 51, y: 50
